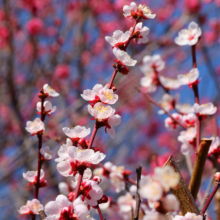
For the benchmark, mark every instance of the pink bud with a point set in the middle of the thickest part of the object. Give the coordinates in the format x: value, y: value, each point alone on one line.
x: 62, y: 71
x: 34, y: 26
x: 217, y: 177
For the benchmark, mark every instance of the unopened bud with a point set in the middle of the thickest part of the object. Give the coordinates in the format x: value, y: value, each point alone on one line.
x: 83, y: 143
x: 71, y: 196
x: 114, y: 89
x: 97, y: 179
x: 217, y: 177
x: 104, y: 199
x: 114, y: 65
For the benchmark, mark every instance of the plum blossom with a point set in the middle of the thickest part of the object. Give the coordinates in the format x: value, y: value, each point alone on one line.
x: 142, y: 11
x: 61, y: 209
x: 167, y: 177
x: 123, y: 60
x: 184, y: 108
x: 188, y: 216
x: 152, y: 215
x: 167, y: 102
x: 86, y: 176
x: 217, y: 176
x: 78, y: 160
x: 32, y: 207
x: 189, y: 119
x: 49, y: 91
x: 35, y: 127
x: 126, y: 203
x: 100, y: 93
x: 150, y: 189
x: 169, y: 83
x: 170, y: 203
x: 150, y: 82
x: 63, y: 188
x: 76, y: 132
x: 140, y: 33
x: 47, y: 108
x: 31, y: 176
x: 189, y: 36
x: 205, y: 109
x: 118, y: 39
x: 47, y: 153
x: 106, y: 116
x: 170, y: 123
x: 34, y: 26
x: 91, y: 192
x: 152, y: 64
x: 189, y: 78
x: 215, y: 146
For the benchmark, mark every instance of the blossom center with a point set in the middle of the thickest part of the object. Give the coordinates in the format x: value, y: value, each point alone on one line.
x: 101, y: 109
x: 108, y: 95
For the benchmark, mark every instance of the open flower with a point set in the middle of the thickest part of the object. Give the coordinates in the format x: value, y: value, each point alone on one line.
x: 170, y: 123
x: 35, y: 127
x: 149, y: 82
x: 140, y: 33
x: 107, y: 96
x: 90, y: 95
x: 142, y: 11
x: 49, y: 91
x: 32, y: 207
x: 123, y: 60
x: 78, y: 160
x: 152, y: 64
x: 169, y: 83
x: 31, y: 176
x: 47, y: 153
x: 215, y: 146
x: 189, y: 36
x: 189, y: 119
x: 167, y: 102
x: 188, y: 216
x: 76, y: 132
x: 118, y: 39
x: 184, y: 108
x: 205, y: 109
x: 189, y: 78
x: 47, y: 108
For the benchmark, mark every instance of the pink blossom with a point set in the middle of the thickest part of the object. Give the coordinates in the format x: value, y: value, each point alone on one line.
x: 34, y: 26
x: 62, y: 71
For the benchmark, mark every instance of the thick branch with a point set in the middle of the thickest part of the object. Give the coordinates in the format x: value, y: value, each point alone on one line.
x: 187, y: 202
x: 138, y: 199
x: 196, y: 178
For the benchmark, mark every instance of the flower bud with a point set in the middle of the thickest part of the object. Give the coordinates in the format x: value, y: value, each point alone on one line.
x: 217, y: 177
x: 71, y: 196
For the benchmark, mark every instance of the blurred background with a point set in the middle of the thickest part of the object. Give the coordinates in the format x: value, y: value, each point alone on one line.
x: 61, y: 42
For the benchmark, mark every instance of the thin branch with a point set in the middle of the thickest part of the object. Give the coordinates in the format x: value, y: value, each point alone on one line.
x: 138, y: 199
x: 42, y: 215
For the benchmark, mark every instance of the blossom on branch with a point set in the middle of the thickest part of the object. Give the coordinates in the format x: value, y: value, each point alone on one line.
x: 189, y: 78
x: 134, y: 12
x: 140, y: 33
x: 49, y: 91
x: 189, y: 36
x: 31, y: 208
x: 46, y: 153
x: 170, y: 123
x: 31, y: 176
x: 47, y: 108
x: 118, y: 39
x: 123, y: 60
x: 188, y: 216
x: 169, y: 83
x: 205, y: 109
x: 35, y: 127
x: 168, y: 102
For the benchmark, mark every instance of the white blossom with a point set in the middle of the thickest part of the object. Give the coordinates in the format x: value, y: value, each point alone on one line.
x: 32, y: 207
x: 140, y: 11
x: 49, y: 91
x: 188, y: 135
x: 140, y: 33
x: 170, y: 203
x: 152, y: 64
x: 107, y: 96
x: 34, y: 127
x: 167, y: 102
x: 167, y: 177
x: 215, y: 145
x: 123, y: 57
x: 205, y: 109
x: 152, y: 215
x: 148, y: 82
x: 77, y: 132
x: 118, y: 38
x: 189, y: 36
x: 89, y: 95
x: 186, y: 149
x: 150, y: 189
x: 189, y: 119
x: 184, y: 108
x: 170, y: 123
x: 189, y: 78
x: 63, y: 188
x: 47, y: 153
x: 48, y: 108
x: 31, y: 176
x: 169, y: 83
x: 188, y: 216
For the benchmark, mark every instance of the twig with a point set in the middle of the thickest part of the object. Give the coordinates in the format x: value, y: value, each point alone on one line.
x: 100, y: 213
x: 210, y: 198
x: 138, y: 199
x: 150, y: 99
x: 42, y: 215
x: 196, y: 178
x: 187, y: 202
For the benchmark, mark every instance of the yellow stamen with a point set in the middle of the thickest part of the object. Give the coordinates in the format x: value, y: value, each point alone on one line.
x: 108, y: 95
x: 101, y: 109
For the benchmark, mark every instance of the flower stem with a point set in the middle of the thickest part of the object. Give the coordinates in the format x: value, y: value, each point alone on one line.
x: 95, y: 129
x: 210, y: 199
x: 100, y: 213
x: 78, y: 185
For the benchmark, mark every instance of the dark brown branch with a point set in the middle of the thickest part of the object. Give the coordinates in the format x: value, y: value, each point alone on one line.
x: 196, y: 178
x: 138, y: 199
x: 42, y: 215
x: 187, y: 202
